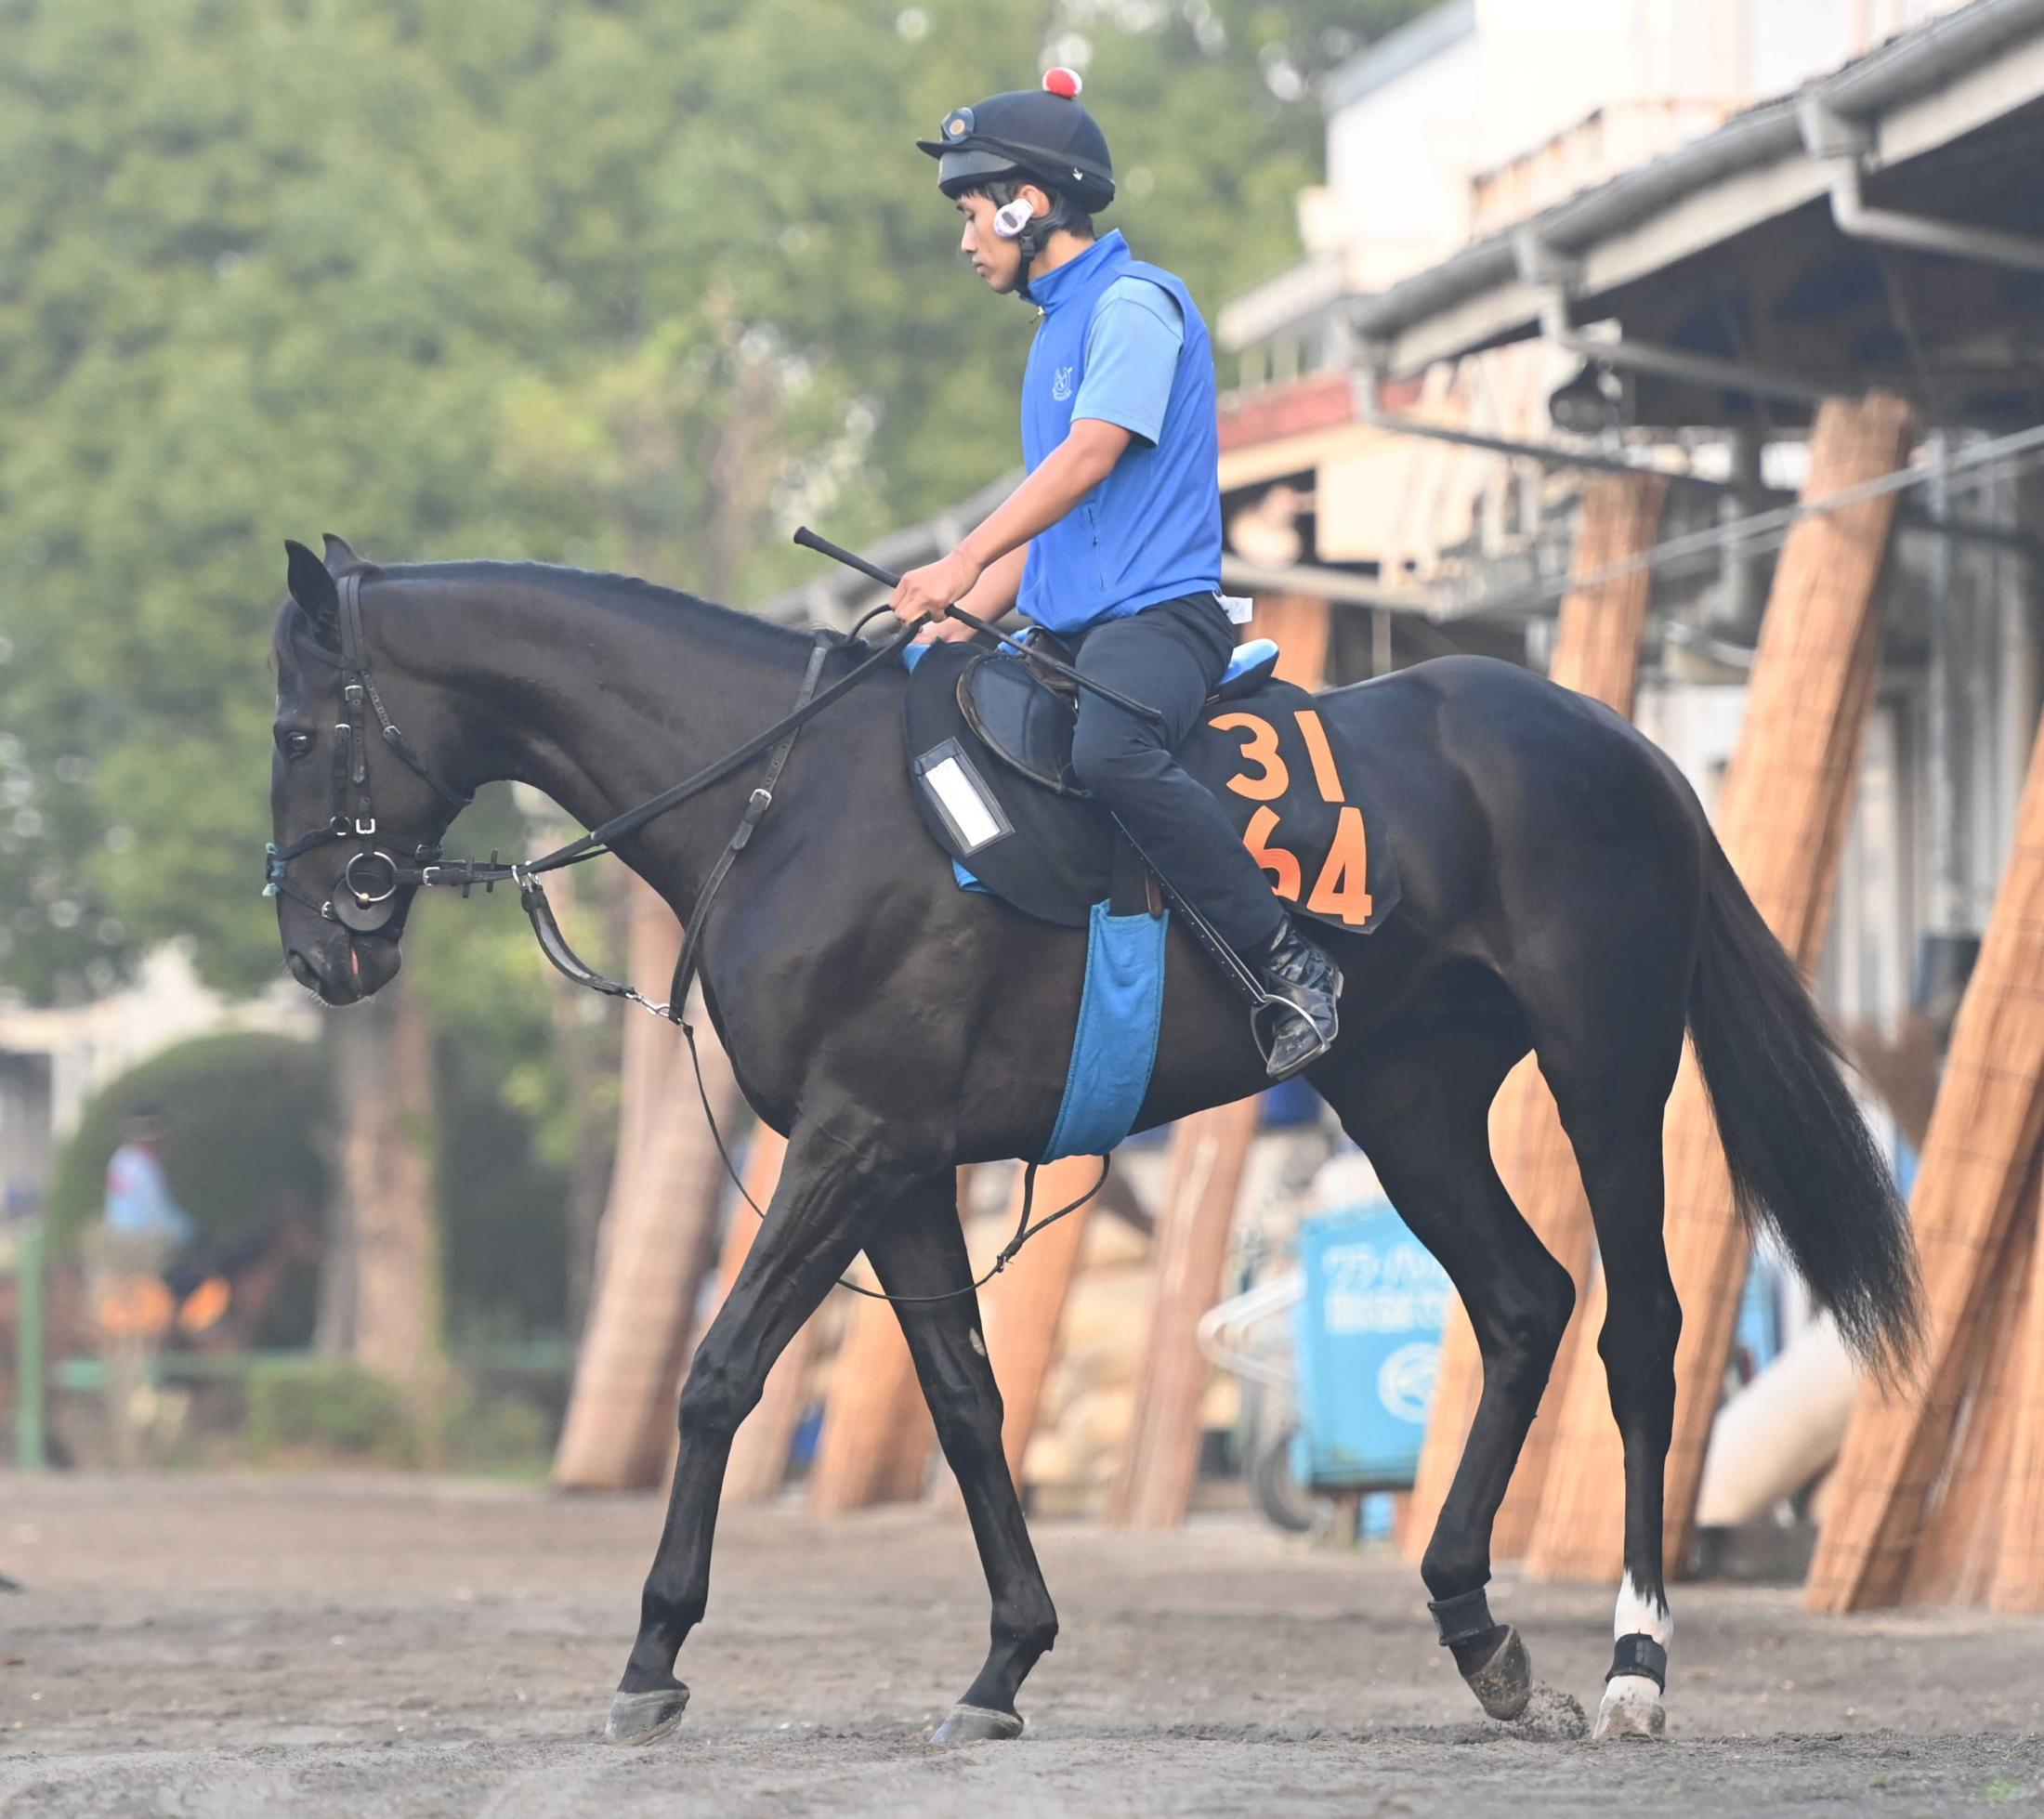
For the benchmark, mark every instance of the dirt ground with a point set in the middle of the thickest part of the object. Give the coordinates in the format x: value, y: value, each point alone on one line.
x: 268, y: 1647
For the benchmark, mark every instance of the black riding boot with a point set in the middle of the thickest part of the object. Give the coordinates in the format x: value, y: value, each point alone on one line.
x: 1301, y: 973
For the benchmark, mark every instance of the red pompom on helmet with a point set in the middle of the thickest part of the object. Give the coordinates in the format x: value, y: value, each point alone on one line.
x: 1061, y: 81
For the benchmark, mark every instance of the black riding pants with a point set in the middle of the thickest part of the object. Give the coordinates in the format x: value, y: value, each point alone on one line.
x: 1169, y: 656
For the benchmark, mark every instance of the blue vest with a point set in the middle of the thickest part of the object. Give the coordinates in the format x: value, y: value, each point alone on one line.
x: 1151, y: 531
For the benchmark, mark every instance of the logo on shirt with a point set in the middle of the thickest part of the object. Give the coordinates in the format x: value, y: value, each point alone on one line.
x: 1061, y: 383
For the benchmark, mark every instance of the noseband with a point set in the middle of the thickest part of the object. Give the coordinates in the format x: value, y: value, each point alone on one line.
x: 365, y: 900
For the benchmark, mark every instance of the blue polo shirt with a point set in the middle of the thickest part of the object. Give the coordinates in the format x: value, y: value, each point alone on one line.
x: 1123, y: 343
x: 1132, y: 356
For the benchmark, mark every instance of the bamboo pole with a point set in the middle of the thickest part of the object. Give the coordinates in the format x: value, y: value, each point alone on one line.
x: 2018, y: 1585
x: 1596, y: 652
x: 1025, y: 1314
x: 1976, y: 1157
x: 1153, y: 1487
x: 655, y: 1245
x: 876, y: 1436
x: 876, y: 1441
x: 1302, y: 628
x: 759, y: 1454
x: 1956, y: 1553
x: 1785, y: 804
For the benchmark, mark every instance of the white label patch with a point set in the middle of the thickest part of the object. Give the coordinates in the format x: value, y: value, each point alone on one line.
x: 974, y: 820
x: 1061, y: 383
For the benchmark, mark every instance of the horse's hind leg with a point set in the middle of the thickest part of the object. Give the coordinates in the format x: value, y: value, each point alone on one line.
x: 814, y: 1227
x: 1616, y: 1134
x: 921, y: 1251
x: 1418, y: 1098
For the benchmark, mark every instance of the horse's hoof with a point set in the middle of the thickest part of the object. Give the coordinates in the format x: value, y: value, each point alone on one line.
x: 1504, y: 1683
x: 1631, y: 1708
x: 976, y: 1724
x: 641, y: 1717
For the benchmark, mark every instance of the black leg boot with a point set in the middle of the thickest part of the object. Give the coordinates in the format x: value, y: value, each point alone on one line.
x: 1301, y: 974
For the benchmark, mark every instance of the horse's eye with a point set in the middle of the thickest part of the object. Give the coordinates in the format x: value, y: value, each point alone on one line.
x: 295, y: 745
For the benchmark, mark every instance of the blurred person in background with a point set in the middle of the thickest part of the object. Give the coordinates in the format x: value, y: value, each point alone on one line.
x: 143, y: 1230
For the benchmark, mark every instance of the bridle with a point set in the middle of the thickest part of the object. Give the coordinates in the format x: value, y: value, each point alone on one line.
x: 365, y: 900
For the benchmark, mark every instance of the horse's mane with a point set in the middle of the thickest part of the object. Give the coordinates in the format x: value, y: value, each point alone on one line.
x: 593, y: 588
x: 664, y: 609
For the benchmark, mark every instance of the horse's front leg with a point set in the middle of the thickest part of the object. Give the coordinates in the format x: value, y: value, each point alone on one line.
x: 813, y: 1229
x: 918, y: 1250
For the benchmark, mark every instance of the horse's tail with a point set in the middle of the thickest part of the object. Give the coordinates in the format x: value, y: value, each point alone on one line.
x: 1803, y: 1164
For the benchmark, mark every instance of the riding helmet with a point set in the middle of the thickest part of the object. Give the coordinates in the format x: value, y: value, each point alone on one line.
x: 1040, y: 134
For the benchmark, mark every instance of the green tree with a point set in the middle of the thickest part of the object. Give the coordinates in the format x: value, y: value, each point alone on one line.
x: 440, y: 276
x: 631, y: 283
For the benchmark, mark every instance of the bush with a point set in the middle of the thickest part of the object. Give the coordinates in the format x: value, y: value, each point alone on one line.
x: 328, y: 1406
x: 503, y: 1433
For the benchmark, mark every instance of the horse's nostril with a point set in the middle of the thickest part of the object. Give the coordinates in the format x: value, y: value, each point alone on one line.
x: 301, y: 970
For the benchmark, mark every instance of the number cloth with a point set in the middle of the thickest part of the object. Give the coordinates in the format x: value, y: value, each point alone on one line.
x: 1287, y: 781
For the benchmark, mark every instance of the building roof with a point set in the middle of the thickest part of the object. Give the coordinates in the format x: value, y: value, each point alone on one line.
x: 1396, y: 52
x: 1922, y: 90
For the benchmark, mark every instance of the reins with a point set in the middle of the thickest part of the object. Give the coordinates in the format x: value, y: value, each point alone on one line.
x: 366, y: 907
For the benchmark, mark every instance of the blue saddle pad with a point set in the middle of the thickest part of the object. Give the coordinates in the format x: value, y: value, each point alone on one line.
x: 990, y: 747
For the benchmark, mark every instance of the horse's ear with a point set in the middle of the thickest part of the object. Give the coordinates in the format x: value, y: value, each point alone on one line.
x: 313, y: 589
x: 339, y: 557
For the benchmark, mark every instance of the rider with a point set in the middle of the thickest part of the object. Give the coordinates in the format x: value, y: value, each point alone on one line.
x: 1113, y: 541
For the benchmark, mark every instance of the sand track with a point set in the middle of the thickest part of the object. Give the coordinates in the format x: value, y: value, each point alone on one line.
x: 342, y: 1646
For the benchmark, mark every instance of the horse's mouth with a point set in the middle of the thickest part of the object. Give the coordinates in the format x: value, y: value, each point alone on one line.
x: 350, y: 983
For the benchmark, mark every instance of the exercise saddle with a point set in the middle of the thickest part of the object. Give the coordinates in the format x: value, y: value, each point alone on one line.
x: 989, y: 739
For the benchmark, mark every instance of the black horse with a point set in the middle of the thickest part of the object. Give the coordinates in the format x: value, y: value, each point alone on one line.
x: 1563, y: 892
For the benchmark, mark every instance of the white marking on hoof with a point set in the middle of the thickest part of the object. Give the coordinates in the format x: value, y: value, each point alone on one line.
x: 976, y: 1724
x: 1631, y: 1708
x: 638, y: 1718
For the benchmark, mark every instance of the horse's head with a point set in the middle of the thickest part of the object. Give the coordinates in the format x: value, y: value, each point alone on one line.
x: 359, y: 785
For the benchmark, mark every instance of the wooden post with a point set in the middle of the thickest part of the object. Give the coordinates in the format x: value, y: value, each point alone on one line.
x: 1785, y: 804
x: 2018, y: 1585
x: 655, y: 1245
x: 1024, y: 1305
x: 759, y: 1454
x: 1984, y: 1134
x: 1596, y: 652
x: 876, y: 1440
x: 1302, y: 628
x: 1153, y: 1488
x: 876, y: 1436
x: 1956, y: 1552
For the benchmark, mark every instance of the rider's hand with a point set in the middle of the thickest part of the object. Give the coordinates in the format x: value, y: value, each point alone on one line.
x: 943, y: 631
x: 935, y: 586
